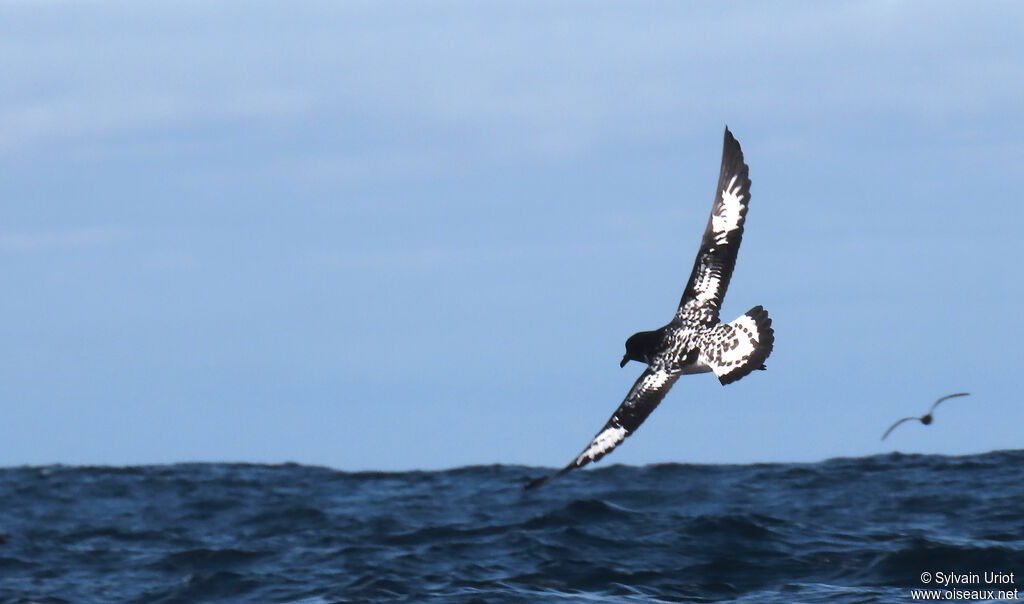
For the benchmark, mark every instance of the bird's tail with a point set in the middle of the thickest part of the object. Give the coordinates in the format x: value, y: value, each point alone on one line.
x: 743, y: 345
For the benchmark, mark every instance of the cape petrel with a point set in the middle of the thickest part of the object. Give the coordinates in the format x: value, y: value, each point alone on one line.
x: 927, y: 417
x: 694, y: 341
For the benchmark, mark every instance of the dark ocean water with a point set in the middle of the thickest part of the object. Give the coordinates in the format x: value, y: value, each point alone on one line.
x: 844, y: 530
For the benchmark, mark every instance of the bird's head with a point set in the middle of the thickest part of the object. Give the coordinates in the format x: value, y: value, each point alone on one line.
x: 926, y: 419
x: 641, y: 346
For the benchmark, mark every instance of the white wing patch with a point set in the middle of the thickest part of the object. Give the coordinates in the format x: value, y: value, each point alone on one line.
x: 729, y: 214
x: 605, y: 441
x: 706, y: 289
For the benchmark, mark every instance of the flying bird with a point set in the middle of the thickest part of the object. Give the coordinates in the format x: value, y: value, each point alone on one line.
x: 694, y: 341
x: 927, y: 417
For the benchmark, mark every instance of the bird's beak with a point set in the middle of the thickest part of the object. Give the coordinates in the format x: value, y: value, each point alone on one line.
x: 625, y: 359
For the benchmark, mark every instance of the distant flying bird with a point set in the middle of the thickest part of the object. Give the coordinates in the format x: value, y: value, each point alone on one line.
x: 694, y: 341
x: 927, y: 417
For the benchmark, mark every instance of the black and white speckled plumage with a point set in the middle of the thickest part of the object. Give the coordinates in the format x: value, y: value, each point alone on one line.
x: 694, y: 341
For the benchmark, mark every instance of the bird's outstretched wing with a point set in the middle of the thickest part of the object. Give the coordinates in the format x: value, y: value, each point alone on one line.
x: 936, y: 403
x: 702, y: 299
x: 650, y: 388
x: 905, y: 419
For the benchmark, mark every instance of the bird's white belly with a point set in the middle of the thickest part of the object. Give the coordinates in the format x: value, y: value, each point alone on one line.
x: 698, y: 366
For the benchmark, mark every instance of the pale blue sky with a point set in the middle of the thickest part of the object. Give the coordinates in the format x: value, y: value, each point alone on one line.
x: 416, y: 235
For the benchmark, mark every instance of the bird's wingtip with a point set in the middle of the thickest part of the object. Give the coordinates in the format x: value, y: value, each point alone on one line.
x: 543, y: 480
x: 536, y: 482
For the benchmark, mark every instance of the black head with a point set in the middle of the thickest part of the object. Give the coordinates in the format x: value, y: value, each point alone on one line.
x: 926, y: 419
x: 642, y: 346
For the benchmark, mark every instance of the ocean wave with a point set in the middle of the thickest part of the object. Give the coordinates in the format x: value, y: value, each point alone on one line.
x: 843, y: 530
